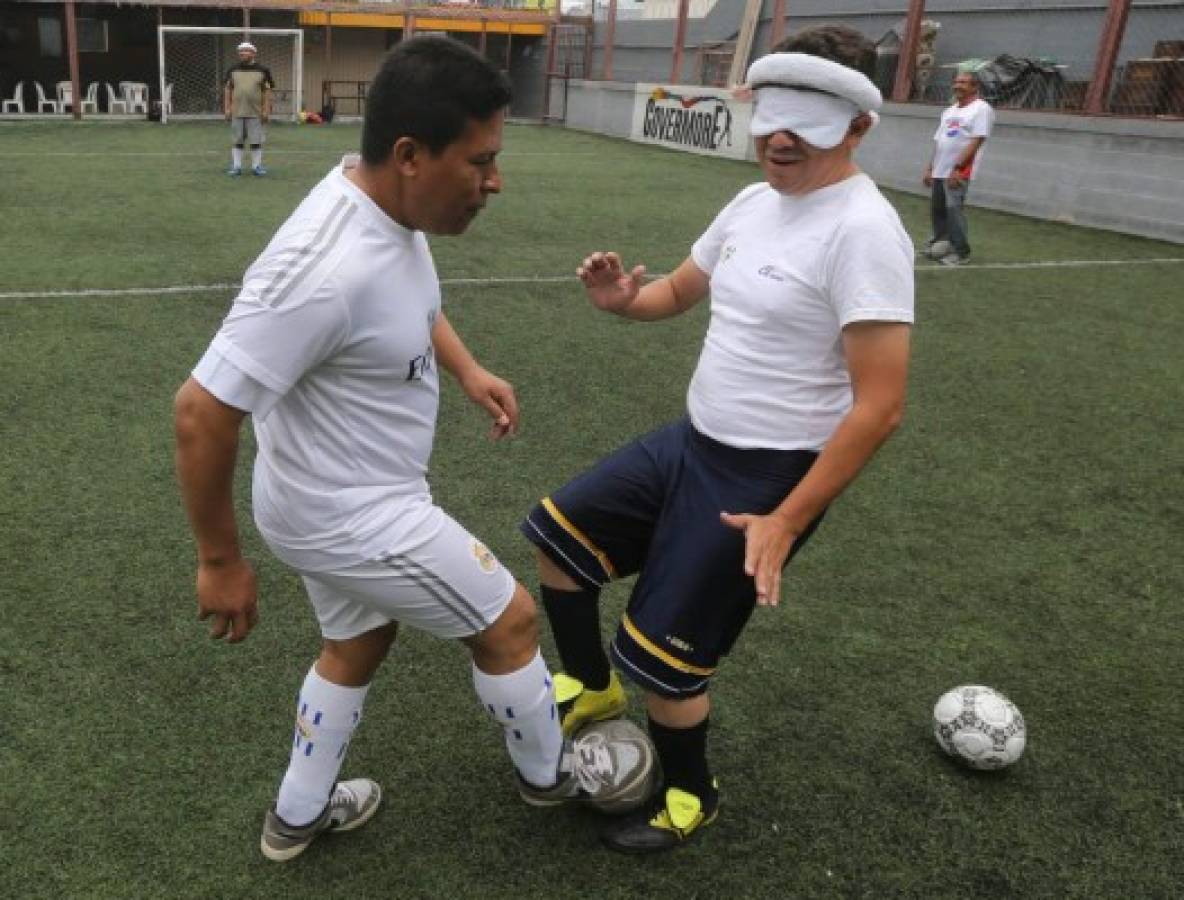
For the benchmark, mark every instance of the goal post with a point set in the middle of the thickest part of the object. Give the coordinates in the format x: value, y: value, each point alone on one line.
x: 194, y: 61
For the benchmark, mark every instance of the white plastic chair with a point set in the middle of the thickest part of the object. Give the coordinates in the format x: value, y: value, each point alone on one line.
x: 91, y: 101
x: 65, y: 95
x: 44, y: 102
x: 136, y: 96
x: 114, y: 102
x: 17, y: 103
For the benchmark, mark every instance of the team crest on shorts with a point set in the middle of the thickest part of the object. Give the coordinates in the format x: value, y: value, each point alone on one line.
x: 486, y: 561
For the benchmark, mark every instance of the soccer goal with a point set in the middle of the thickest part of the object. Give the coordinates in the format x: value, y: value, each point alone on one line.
x: 194, y: 62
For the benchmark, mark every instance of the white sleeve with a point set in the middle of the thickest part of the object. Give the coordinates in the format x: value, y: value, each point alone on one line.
x: 705, y: 251
x: 276, y: 343
x: 871, y: 272
x: 984, y: 116
x: 232, y: 385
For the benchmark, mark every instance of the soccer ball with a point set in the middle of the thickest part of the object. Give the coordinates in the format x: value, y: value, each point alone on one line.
x: 616, y: 764
x: 979, y: 727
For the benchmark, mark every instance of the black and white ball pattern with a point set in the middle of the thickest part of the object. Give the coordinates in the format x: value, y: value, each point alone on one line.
x: 979, y: 726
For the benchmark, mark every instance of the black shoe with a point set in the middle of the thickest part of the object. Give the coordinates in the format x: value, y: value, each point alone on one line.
x: 671, y: 819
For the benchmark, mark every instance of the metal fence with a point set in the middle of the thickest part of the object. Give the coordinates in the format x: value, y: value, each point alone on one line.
x: 1105, y: 57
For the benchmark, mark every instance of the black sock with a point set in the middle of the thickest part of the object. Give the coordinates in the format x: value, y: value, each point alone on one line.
x: 575, y: 625
x: 683, y: 754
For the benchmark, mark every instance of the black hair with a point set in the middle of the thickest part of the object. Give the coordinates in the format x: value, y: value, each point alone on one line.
x: 428, y: 88
x: 838, y: 43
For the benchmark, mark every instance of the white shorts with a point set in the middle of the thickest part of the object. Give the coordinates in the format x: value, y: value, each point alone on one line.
x: 444, y: 581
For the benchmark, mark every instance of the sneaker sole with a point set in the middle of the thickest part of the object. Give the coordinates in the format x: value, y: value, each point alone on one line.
x: 646, y: 851
x: 277, y: 855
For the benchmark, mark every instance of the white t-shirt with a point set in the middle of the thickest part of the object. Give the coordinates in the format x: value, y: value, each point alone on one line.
x: 787, y: 274
x: 959, y: 126
x: 328, y: 345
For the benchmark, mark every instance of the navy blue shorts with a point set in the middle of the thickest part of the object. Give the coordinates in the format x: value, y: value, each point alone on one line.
x: 652, y: 508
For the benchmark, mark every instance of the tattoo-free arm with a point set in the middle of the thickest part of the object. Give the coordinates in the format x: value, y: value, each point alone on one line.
x: 610, y: 288
x: 207, y: 433
x: 493, y: 394
x: 877, y: 356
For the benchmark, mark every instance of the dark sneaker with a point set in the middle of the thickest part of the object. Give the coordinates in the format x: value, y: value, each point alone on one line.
x: 234, y: 172
x: 259, y: 170
x: 673, y: 818
x: 578, y: 706
x: 351, y: 806
x: 954, y: 259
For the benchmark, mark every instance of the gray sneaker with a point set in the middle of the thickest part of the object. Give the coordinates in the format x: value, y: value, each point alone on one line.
x: 935, y: 250
x: 954, y: 259
x: 351, y: 806
x: 599, y: 762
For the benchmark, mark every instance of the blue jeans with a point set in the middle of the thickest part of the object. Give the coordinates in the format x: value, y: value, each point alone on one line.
x: 949, y: 218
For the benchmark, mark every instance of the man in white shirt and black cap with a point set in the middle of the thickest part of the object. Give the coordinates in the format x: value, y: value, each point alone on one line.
x: 801, y: 378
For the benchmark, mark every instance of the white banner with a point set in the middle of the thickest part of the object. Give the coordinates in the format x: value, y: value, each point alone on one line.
x: 697, y: 119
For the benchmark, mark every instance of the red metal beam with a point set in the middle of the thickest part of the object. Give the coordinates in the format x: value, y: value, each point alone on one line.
x: 907, y: 64
x: 610, y: 37
x: 1112, y: 31
x: 72, y: 53
x: 777, y: 26
x: 680, y: 36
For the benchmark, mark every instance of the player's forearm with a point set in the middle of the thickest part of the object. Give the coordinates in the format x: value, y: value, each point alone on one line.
x: 450, y: 350
x: 670, y: 295
x: 861, y: 433
x: 656, y: 300
x: 970, y: 154
x: 206, y: 451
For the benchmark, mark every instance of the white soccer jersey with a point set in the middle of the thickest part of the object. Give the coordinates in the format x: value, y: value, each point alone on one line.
x: 958, y: 127
x: 328, y: 345
x: 787, y: 274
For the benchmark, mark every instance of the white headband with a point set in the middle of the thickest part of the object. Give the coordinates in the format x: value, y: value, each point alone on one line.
x: 813, y: 97
x: 247, y: 45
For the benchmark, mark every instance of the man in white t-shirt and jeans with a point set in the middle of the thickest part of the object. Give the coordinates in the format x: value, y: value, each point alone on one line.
x: 333, y: 347
x: 800, y: 379
x: 957, y: 154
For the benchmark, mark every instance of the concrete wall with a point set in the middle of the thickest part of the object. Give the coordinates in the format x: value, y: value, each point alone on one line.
x: 1119, y: 174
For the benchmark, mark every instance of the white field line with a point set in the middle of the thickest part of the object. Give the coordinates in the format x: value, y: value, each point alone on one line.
x: 550, y: 279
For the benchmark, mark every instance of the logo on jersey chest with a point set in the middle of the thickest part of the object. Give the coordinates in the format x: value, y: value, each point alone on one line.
x: 419, y: 366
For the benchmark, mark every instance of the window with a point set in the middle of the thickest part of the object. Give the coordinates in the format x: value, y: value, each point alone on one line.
x: 49, y: 34
x: 92, y: 35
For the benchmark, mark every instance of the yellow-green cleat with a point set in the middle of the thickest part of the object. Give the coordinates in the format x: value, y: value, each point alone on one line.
x: 578, y: 706
x: 672, y: 819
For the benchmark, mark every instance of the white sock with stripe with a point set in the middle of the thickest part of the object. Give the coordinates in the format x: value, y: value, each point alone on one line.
x: 523, y: 703
x: 236, y: 157
x: 257, y: 157
x: 326, y: 716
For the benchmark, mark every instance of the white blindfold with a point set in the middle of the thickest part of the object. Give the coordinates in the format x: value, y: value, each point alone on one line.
x: 814, y: 98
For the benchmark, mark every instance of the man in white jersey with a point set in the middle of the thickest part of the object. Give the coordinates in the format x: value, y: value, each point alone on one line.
x: 957, y: 154
x: 801, y: 378
x: 333, y: 347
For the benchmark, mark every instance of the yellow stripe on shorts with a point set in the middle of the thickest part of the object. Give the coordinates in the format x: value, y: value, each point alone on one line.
x: 571, y: 529
x: 654, y: 650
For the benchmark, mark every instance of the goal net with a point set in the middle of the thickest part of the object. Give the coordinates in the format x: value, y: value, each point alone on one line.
x: 194, y: 62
